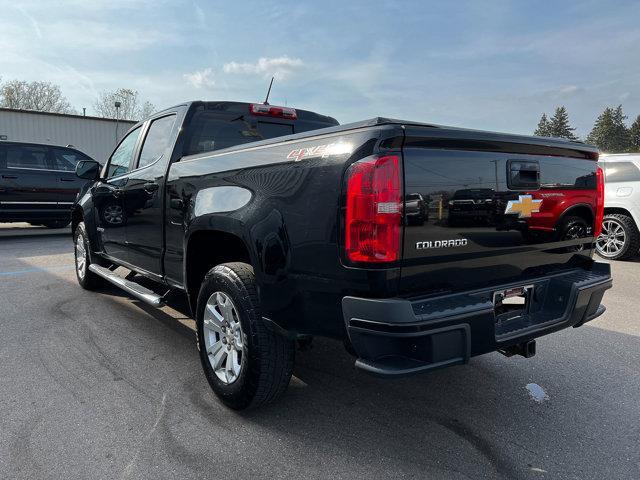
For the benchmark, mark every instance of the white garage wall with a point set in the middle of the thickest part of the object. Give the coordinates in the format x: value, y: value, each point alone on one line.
x: 94, y: 136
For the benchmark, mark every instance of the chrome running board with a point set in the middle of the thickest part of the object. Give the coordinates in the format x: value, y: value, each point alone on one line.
x: 132, y: 288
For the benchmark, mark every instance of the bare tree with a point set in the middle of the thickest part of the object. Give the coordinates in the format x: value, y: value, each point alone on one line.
x: 41, y: 96
x: 130, y: 106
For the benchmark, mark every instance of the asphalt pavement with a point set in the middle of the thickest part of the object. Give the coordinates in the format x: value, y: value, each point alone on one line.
x: 97, y: 385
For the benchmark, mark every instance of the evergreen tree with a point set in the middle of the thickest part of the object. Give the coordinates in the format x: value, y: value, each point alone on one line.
x: 559, y: 125
x: 543, y: 129
x: 634, y: 135
x: 609, y: 133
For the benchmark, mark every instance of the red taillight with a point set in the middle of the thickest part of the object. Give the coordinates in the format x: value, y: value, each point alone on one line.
x: 599, y: 202
x: 270, y: 111
x: 374, y: 210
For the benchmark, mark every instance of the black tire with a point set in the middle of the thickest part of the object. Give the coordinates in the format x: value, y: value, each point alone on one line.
x: 573, y: 228
x: 631, y: 238
x: 56, y: 224
x: 88, y: 281
x: 268, y: 358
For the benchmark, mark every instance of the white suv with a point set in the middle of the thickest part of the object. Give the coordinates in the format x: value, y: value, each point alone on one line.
x: 620, y: 238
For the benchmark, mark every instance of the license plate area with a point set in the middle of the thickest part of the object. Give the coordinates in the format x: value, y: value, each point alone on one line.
x: 512, y: 303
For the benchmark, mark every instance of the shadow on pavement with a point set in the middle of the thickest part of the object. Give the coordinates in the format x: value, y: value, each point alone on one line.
x: 110, y: 388
x: 22, y: 230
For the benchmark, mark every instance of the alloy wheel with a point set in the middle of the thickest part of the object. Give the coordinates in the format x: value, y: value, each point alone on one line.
x: 612, y: 239
x: 113, y: 214
x: 573, y: 233
x: 223, y: 337
x: 81, y: 257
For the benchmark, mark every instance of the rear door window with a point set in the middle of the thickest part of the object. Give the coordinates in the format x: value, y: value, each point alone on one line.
x: 66, y: 160
x: 32, y: 157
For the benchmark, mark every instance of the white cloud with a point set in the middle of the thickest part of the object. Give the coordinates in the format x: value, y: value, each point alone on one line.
x: 201, y: 78
x: 281, y: 67
x: 568, y: 89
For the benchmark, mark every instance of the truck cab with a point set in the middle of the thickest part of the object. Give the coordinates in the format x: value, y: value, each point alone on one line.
x: 130, y: 198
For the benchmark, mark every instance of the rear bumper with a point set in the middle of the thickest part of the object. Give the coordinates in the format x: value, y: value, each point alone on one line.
x: 395, y: 337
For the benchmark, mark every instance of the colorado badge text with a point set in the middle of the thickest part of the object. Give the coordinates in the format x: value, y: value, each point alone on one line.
x: 458, y: 242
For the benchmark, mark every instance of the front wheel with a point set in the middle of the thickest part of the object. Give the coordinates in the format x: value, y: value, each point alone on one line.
x: 619, y: 239
x: 83, y: 258
x: 246, y: 363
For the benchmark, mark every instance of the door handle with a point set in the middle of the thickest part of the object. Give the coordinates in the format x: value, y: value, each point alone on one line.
x: 67, y: 180
x: 12, y: 177
x: 151, y: 187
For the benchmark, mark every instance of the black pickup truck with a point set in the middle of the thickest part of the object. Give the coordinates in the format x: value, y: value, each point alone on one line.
x: 279, y: 224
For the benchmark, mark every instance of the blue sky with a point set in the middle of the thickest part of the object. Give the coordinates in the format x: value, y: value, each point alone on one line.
x: 483, y: 64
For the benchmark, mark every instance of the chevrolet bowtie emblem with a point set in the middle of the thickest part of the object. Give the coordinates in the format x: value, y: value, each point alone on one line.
x: 524, y: 206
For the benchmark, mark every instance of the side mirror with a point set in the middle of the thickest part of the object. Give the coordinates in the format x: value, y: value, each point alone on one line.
x: 88, y: 169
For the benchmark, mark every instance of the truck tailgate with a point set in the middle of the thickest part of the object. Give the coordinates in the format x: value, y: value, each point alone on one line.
x: 493, y: 209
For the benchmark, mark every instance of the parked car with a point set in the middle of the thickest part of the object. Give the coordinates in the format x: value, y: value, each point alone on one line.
x: 472, y: 205
x: 278, y: 224
x: 416, y: 209
x: 620, y: 238
x: 38, y: 183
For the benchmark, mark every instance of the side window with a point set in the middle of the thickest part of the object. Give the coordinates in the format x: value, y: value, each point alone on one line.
x: 65, y: 159
x: 157, y: 140
x: 121, y: 159
x: 27, y: 156
x: 621, y: 172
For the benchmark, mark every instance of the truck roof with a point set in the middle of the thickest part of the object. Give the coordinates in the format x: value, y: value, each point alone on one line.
x: 228, y: 106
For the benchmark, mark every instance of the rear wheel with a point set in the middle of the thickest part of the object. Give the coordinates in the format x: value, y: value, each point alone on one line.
x: 574, y: 228
x: 619, y: 239
x: 246, y: 363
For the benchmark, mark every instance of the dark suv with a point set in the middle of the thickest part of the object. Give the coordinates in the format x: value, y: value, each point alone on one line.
x: 38, y: 183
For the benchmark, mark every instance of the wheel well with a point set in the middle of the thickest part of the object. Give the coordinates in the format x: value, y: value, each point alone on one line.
x: 616, y: 211
x: 76, y: 218
x: 205, y: 250
x: 581, y: 211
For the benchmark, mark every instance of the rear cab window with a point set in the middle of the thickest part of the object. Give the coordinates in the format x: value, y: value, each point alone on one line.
x: 218, y: 125
x: 214, y: 131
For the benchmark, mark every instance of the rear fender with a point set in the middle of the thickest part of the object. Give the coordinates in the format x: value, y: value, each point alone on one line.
x: 578, y: 209
x: 266, y: 242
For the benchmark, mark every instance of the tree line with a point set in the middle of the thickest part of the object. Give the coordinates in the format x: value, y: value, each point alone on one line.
x: 610, y: 132
x: 48, y: 97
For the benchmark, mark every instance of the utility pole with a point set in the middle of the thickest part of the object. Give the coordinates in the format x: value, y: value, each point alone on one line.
x: 117, y: 105
x: 495, y: 165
